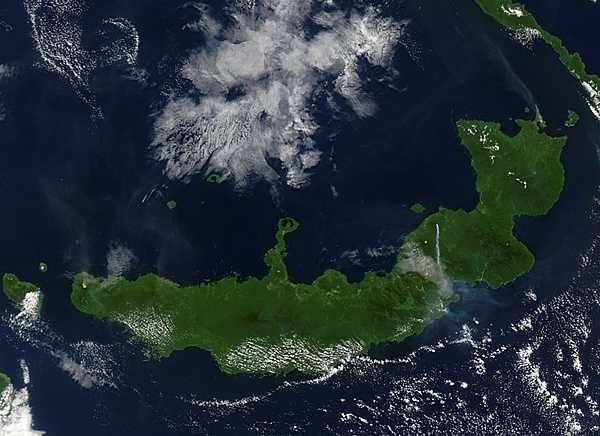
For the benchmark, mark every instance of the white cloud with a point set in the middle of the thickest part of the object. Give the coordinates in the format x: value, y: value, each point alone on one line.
x: 258, y: 80
x: 15, y: 413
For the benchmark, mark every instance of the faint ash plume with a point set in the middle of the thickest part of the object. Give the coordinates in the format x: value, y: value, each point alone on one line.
x: 6, y: 72
x: 119, y: 260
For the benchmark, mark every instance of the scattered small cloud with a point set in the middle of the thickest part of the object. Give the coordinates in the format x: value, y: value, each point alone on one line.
x: 57, y: 29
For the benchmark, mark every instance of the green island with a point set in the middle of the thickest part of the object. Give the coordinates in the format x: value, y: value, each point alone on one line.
x: 15, y: 289
x: 24, y: 295
x: 515, y: 17
x: 273, y: 325
x: 43, y: 267
x: 5, y: 382
x: 171, y: 204
x: 216, y: 178
x: 417, y: 208
x: 572, y: 119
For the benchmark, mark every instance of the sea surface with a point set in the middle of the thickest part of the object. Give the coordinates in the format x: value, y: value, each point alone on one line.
x: 520, y: 360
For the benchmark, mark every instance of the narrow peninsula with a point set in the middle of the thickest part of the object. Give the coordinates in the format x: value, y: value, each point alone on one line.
x: 516, y: 18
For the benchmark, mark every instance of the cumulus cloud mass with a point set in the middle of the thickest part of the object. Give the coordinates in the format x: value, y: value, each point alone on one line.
x: 257, y: 81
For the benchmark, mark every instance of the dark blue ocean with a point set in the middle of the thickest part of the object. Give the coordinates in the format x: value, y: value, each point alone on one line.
x: 72, y: 183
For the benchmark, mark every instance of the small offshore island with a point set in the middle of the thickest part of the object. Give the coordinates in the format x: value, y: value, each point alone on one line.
x: 572, y: 119
x: 272, y: 325
x: 417, y: 208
